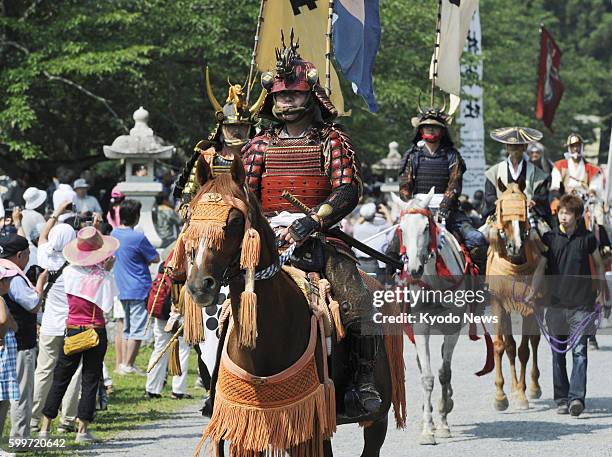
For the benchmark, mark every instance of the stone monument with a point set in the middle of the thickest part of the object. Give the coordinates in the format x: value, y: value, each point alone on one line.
x: 389, y: 168
x: 139, y: 150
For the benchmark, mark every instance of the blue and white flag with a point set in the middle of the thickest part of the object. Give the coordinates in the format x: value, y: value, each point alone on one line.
x: 356, y: 35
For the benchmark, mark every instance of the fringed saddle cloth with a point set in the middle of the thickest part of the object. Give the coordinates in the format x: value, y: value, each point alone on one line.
x: 509, y: 282
x: 289, y: 411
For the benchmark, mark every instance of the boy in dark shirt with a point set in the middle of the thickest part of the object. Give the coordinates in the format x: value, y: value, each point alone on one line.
x: 572, y: 302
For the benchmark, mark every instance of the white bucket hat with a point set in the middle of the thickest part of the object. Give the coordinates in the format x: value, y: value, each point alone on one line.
x: 34, y: 197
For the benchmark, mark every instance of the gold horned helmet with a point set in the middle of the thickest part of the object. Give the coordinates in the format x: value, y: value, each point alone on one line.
x: 431, y: 115
x: 235, y: 110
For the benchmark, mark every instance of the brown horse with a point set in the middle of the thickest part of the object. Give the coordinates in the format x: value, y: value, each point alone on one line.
x: 513, y: 260
x: 283, y: 317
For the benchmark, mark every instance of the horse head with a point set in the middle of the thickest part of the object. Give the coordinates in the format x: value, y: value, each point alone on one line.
x: 416, y: 229
x: 512, y: 221
x: 224, y: 219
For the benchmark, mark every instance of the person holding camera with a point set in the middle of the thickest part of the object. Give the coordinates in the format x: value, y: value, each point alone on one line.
x: 23, y: 301
x: 53, y: 238
x: 9, y: 384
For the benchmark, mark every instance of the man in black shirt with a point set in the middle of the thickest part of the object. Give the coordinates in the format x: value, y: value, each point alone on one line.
x: 572, y: 302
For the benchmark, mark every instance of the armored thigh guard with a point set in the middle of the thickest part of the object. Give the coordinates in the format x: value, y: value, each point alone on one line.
x: 349, y: 289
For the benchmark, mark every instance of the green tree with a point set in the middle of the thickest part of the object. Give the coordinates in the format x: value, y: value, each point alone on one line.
x: 73, y: 72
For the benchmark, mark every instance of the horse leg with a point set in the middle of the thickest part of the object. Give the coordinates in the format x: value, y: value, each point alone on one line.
x: 510, y: 347
x: 220, y: 449
x: 374, y: 437
x: 523, y: 354
x: 501, y: 401
x: 534, y: 338
x: 446, y: 404
x: 427, y: 381
x: 327, y: 449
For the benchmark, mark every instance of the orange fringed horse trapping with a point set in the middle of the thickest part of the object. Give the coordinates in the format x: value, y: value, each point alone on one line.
x: 249, y: 258
x: 287, y: 411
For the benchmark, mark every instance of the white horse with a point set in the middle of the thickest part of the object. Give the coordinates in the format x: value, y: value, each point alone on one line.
x: 419, y: 243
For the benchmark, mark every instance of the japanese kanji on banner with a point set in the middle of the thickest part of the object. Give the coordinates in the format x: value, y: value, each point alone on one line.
x: 471, y: 115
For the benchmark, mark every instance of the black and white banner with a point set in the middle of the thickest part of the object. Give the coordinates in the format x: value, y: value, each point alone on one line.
x: 471, y: 115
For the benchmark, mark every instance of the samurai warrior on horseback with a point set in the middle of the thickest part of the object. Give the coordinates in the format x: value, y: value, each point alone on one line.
x: 310, y: 156
x: 235, y: 121
x: 433, y: 161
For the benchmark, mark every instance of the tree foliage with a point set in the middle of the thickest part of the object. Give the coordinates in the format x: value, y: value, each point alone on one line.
x: 73, y: 72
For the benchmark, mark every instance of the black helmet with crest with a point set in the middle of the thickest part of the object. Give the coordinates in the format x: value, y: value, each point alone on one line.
x: 432, y: 115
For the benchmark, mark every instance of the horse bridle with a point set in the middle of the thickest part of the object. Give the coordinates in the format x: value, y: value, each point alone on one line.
x: 432, y: 232
x: 233, y: 269
x: 501, y: 223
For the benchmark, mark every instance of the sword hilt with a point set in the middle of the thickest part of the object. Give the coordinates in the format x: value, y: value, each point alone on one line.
x: 295, y: 202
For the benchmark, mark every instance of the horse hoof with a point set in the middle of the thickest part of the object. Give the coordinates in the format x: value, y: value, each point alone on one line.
x: 443, y: 432
x: 534, y: 394
x: 522, y: 404
x: 427, y: 439
x: 501, y: 405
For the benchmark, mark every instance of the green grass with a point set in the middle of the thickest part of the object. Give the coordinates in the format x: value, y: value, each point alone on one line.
x: 127, y: 407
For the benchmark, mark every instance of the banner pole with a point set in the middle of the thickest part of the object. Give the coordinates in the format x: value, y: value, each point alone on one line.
x: 254, y: 53
x: 434, y: 72
x: 328, y: 48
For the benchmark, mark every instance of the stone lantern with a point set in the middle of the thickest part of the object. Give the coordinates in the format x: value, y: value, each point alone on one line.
x: 140, y: 149
x: 389, y: 168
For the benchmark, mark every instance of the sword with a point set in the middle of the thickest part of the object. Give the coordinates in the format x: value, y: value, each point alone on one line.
x: 336, y: 232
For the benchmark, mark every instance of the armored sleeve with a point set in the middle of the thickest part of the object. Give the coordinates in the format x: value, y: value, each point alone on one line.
x: 253, y: 160
x: 406, y: 176
x: 344, y: 171
x: 455, y: 180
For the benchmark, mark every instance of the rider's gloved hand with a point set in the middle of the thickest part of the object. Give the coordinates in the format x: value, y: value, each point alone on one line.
x: 442, y: 214
x: 303, y: 227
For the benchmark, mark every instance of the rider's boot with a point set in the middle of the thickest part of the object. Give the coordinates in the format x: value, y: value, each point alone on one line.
x: 364, y: 398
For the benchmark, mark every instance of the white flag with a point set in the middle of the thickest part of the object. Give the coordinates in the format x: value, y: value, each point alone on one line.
x: 455, y: 21
x: 471, y: 116
x: 609, y: 175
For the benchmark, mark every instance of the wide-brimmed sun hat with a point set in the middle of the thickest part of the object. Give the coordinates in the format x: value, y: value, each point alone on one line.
x: 516, y: 135
x: 34, y: 197
x: 90, y: 247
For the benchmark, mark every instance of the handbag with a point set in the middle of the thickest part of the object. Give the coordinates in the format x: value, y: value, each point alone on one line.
x: 82, y: 341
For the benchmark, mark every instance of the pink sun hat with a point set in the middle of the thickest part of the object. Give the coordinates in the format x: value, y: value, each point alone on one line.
x: 90, y: 247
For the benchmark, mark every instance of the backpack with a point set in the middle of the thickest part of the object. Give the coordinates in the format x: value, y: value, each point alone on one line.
x: 164, y: 297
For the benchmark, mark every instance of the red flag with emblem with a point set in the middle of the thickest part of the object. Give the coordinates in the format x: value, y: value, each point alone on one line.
x: 550, y: 86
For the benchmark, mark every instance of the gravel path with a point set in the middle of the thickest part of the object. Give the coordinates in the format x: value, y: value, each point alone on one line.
x: 477, y: 429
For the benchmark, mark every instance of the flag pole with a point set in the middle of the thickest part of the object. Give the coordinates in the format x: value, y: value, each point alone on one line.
x: 328, y: 50
x: 254, y: 53
x: 434, y: 72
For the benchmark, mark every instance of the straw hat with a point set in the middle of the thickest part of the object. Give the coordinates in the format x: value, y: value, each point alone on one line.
x: 90, y: 247
x: 516, y: 135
